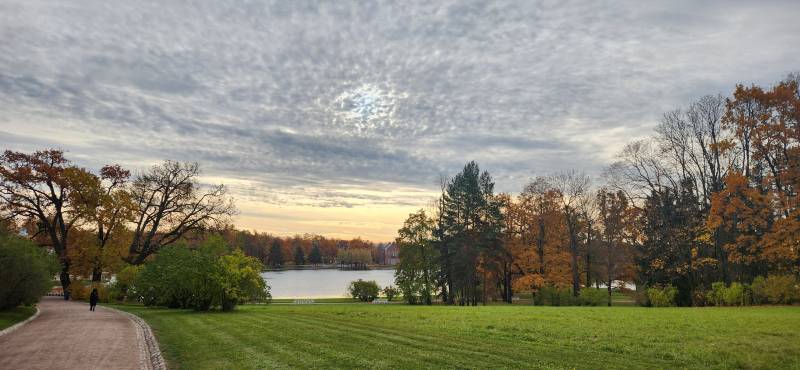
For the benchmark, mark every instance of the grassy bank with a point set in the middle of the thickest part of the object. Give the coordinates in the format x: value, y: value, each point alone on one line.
x: 399, y: 336
x: 11, y: 317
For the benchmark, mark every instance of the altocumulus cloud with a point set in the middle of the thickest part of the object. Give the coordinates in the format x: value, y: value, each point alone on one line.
x: 353, y: 104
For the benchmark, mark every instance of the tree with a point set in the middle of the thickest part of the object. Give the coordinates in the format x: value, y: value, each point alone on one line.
x: 38, y: 187
x: 299, y: 256
x: 543, y: 257
x: 170, y: 203
x: 106, y: 205
x: 613, y: 216
x: 315, y: 257
x: 470, y: 226
x: 418, y: 265
x: 276, y: 254
x: 26, y: 271
x: 670, y: 253
x: 573, y: 188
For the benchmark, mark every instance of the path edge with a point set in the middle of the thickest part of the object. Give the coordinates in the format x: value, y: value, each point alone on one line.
x: 149, y: 353
x: 18, y: 325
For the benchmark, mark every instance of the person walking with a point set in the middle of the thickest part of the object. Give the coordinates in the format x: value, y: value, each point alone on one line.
x: 93, y: 299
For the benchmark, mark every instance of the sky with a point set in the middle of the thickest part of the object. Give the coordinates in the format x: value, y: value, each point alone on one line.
x: 339, y: 117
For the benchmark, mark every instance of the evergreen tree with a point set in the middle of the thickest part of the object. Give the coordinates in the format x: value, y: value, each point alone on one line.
x: 276, y: 253
x: 299, y: 256
x: 469, y: 226
x: 315, y: 256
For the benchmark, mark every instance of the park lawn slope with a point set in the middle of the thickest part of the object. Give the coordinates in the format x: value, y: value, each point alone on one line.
x: 399, y: 336
x: 13, y: 316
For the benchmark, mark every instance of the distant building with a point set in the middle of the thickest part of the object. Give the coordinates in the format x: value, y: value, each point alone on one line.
x: 388, y: 254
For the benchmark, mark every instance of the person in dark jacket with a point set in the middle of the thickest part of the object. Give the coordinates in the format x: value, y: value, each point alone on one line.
x: 93, y: 299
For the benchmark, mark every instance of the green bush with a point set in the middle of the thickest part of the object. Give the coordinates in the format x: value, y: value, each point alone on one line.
x: 26, y: 271
x: 759, y: 289
x: 736, y: 295
x: 594, y: 297
x: 201, y: 279
x: 716, y: 296
x: 661, y: 297
x: 124, y: 288
x: 390, y: 292
x: 781, y: 289
x: 554, y: 296
x: 365, y: 291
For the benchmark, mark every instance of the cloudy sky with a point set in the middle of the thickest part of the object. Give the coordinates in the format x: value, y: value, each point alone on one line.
x: 338, y: 117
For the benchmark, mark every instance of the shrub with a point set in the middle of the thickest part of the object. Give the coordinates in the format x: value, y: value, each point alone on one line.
x: 716, y: 296
x: 661, y: 297
x: 201, y: 279
x: 736, y: 295
x: 79, y: 290
x: 555, y: 296
x: 594, y: 297
x: 781, y: 289
x: 124, y: 287
x: 26, y: 271
x: 390, y: 292
x: 699, y: 299
x: 365, y: 291
x: 759, y: 288
x: 242, y: 280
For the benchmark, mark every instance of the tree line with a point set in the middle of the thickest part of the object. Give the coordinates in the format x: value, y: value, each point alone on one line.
x: 306, y: 249
x: 709, y: 198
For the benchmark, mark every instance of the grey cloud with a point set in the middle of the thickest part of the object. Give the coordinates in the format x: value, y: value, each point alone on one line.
x: 315, y: 96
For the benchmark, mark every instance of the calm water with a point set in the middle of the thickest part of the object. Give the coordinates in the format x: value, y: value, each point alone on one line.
x: 327, y: 283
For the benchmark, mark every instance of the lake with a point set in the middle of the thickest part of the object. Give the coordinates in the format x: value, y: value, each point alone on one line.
x: 323, y: 283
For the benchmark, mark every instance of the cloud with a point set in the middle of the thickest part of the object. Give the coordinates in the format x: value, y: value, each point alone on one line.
x: 303, y: 101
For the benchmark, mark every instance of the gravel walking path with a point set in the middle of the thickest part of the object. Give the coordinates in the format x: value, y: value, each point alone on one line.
x: 66, y: 335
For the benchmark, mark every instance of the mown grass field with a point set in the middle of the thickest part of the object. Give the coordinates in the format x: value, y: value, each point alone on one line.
x: 400, y: 336
x: 11, y: 317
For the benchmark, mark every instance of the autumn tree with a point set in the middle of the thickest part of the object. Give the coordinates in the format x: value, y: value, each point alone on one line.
x: 39, y: 187
x: 542, y: 257
x: 171, y: 202
x: 106, y: 207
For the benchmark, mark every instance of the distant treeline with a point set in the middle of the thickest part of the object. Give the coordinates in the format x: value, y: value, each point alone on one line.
x: 276, y: 251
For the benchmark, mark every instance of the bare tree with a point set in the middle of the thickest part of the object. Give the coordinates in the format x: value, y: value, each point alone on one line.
x: 574, y: 188
x: 170, y: 203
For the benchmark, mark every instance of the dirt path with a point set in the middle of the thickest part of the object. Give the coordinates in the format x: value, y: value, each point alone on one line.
x: 68, y: 336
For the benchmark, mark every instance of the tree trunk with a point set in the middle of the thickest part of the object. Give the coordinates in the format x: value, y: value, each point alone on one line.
x: 97, y: 275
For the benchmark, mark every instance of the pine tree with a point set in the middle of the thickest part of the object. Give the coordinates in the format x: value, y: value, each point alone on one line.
x: 299, y: 256
x: 315, y: 256
x: 276, y: 253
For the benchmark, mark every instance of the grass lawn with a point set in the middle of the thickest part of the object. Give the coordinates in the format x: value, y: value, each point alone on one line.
x: 11, y: 317
x: 400, y: 336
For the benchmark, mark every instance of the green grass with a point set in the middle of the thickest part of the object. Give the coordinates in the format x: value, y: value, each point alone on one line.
x: 11, y: 317
x: 400, y: 336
